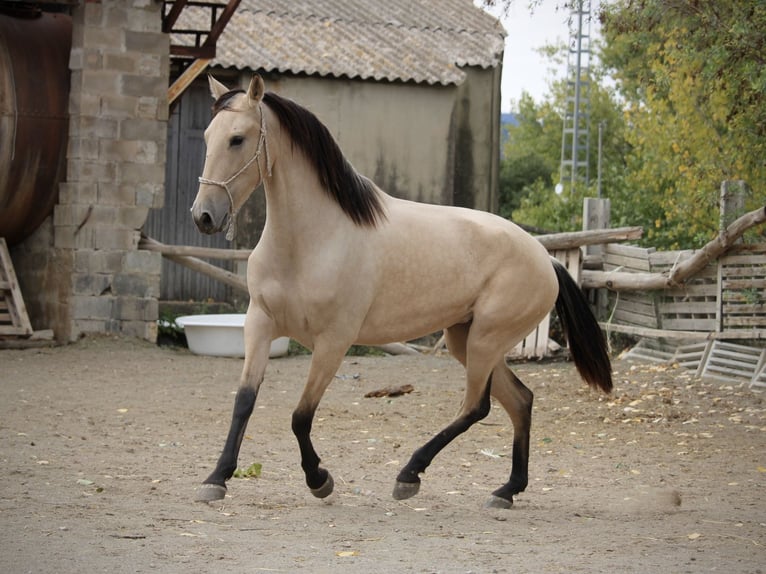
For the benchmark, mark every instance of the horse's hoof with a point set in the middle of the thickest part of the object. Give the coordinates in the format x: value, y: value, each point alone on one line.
x: 405, y: 490
x: 498, y: 502
x: 210, y: 493
x: 326, y: 489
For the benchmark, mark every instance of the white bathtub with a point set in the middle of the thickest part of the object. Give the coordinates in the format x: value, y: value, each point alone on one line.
x: 222, y: 335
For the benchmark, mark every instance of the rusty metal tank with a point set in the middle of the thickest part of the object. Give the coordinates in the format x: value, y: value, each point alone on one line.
x: 34, y: 96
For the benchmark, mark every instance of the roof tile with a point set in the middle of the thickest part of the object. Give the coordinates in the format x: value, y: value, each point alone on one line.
x: 397, y: 40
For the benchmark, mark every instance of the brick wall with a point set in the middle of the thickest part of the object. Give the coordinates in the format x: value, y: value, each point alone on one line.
x: 115, y: 170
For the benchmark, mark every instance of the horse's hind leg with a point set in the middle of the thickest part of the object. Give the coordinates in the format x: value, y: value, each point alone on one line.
x: 476, y: 405
x: 517, y: 401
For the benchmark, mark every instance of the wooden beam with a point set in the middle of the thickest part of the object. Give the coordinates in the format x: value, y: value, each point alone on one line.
x: 222, y: 275
x: 169, y: 20
x: 186, y: 78
x: 220, y: 24
x: 620, y: 280
x: 758, y: 334
x: 150, y: 244
x: 574, y: 239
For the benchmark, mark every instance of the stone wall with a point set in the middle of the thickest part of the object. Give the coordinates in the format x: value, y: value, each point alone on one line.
x: 115, y: 173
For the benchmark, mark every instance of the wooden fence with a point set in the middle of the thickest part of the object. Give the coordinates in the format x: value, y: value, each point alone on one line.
x: 727, y: 298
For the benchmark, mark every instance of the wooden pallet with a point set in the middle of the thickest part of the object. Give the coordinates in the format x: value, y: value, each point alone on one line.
x: 731, y: 362
x: 14, y: 320
x: 759, y: 377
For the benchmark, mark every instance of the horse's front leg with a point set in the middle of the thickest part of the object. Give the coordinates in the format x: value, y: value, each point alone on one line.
x: 324, y: 365
x: 258, y: 334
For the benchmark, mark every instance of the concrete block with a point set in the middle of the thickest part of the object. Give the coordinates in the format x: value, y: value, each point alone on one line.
x: 149, y: 107
x: 83, y: 148
x: 150, y: 195
x: 92, y: 261
x: 151, y: 65
x: 139, y: 151
x: 100, y: 82
x: 117, y: 15
x: 140, y: 329
x: 92, y: 306
x: 78, y: 192
x: 141, y: 86
x: 91, y: 284
x: 136, y: 309
x: 109, y: 237
x: 142, y: 173
x: 147, y: 42
x: 145, y: 20
x: 83, y: 104
x: 119, y: 62
x: 117, y: 195
x: 143, y: 129
x: 108, y: 38
x: 93, y: 125
x: 142, y: 262
x: 90, y: 171
x: 72, y: 214
x: 131, y: 217
x: 130, y: 284
x: 118, y: 106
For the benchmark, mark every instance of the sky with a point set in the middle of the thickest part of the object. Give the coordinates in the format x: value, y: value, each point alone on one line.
x: 523, y: 68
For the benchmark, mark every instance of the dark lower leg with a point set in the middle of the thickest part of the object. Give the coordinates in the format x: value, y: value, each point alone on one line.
x: 423, y: 457
x: 227, y: 462
x: 519, y: 470
x: 518, y: 402
x: 316, y: 477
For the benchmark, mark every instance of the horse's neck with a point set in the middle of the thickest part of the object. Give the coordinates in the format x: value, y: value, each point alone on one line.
x: 300, y: 215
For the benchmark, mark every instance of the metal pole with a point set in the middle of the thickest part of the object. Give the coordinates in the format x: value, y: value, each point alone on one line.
x: 600, y: 133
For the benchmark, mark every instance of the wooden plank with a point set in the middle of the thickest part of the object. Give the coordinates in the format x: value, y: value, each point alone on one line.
x: 183, y: 81
x: 742, y: 271
x: 734, y: 284
x: 676, y: 324
x: 669, y: 258
x: 634, y: 319
x: 759, y: 377
x: 14, y: 301
x: 637, y: 306
x: 743, y: 322
x: 686, y: 307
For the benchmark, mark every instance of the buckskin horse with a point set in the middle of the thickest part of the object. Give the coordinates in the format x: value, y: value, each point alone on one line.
x: 340, y: 262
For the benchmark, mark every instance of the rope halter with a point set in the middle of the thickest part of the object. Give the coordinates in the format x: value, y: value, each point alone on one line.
x: 262, y: 145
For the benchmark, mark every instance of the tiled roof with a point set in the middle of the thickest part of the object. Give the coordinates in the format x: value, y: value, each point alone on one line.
x: 395, y: 40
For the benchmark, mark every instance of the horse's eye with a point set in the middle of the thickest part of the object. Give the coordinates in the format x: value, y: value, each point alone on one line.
x: 235, y: 141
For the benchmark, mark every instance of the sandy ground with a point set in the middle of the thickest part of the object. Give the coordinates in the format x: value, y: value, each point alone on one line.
x: 103, y: 444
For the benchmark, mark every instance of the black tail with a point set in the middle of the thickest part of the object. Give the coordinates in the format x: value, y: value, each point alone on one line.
x: 586, y: 341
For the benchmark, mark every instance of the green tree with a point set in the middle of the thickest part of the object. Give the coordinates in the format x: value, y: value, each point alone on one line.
x: 532, y: 157
x: 693, y: 77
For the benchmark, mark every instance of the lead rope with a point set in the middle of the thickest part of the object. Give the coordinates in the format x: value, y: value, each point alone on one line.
x: 262, y: 144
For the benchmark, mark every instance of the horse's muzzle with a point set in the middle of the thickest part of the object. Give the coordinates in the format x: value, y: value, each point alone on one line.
x: 207, y: 221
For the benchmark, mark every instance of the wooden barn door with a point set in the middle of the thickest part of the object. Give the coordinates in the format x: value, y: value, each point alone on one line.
x: 172, y: 224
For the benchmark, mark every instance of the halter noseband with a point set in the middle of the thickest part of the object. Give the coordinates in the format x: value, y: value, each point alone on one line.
x: 262, y: 144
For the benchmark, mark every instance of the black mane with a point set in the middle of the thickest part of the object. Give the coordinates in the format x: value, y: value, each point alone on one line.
x: 354, y: 193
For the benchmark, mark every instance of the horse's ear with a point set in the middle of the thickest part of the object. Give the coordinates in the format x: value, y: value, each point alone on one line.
x: 217, y: 89
x: 256, y: 90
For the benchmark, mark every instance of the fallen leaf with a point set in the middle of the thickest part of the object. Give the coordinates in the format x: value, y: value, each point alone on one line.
x: 694, y: 536
x: 345, y: 553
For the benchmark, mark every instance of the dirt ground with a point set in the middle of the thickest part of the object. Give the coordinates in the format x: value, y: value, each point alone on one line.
x: 103, y: 444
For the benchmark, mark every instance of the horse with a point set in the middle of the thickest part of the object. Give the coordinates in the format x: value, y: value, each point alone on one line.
x: 341, y: 262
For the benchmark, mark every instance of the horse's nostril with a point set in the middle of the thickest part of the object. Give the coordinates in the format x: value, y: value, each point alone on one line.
x: 205, y: 219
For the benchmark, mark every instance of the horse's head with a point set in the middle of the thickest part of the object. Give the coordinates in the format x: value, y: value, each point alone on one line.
x: 236, y: 154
